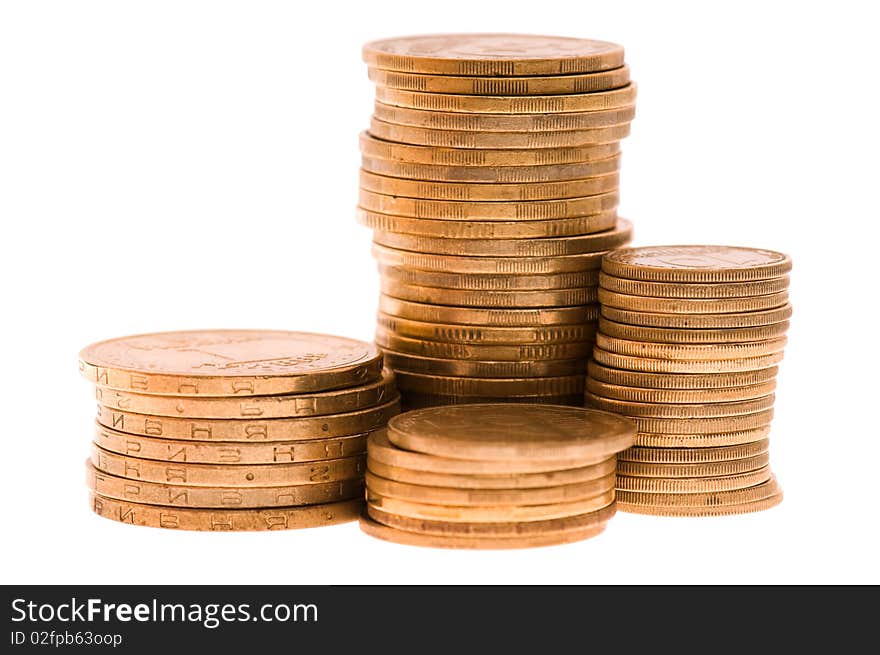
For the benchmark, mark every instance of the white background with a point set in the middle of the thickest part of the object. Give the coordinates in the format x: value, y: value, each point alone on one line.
x: 172, y: 165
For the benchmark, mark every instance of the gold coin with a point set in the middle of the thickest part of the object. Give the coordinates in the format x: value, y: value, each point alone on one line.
x: 717, y: 510
x: 694, y: 485
x: 687, y: 441
x: 487, y: 298
x: 478, y: 281
x: 480, y: 335
x: 694, y: 291
x: 172, y: 495
x: 473, y: 316
x: 532, y: 175
x: 253, y: 407
x: 482, y: 352
x: 705, y: 425
x: 386, y: 533
x: 381, y: 450
x: 692, y: 381
x: 680, y: 396
x: 279, y: 429
x: 407, y: 364
x: 704, y: 500
x: 688, y: 456
x: 455, y: 210
x: 497, y: 481
x: 691, y: 305
x: 513, y: 140
x: 511, y: 432
x: 492, y: 54
x: 691, y: 470
x: 685, y: 366
x: 226, y: 520
x: 225, y: 452
x: 486, y: 265
x: 502, y: 86
x: 470, y: 191
x: 707, y: 336
x: 426, y: 227
x: 229, y: 362
x: 698, y: 321
x: 700, y: 264
x: 536, y: 387
x: 416, y: 400
x: 227, y: 475
x: 493, y: 530
x: 452, y: 120
x: 550, y: 104
x: 432, y: 495
x: 488, y: 513
x: 483, y: 157
x: 690, y: 351
x: 545, y: 247
x: 694, y: 410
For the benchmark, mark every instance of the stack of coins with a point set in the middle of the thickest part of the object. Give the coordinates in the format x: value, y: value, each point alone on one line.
x: 688, y: 347
x: 493, y: 475
x: 490, y: 177
x: 234, y: 429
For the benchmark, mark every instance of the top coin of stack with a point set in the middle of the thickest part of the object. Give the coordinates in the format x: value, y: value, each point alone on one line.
x: 490, y: 175
x: 234, y: 429
x: 493, y: 475
x: 688, y: 347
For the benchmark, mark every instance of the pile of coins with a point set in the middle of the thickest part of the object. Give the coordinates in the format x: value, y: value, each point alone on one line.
x: 688, y: 347
x: 493, y: 475
x: 234, y: 429
x: 490, y: 178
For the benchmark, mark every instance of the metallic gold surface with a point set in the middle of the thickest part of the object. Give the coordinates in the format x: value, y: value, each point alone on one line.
x: 492, y: 352
x: 680, y: 396
x: 486, y: 265
x: 685, y: 366
x: 486, y: 282
x: 700, y: 264
x: 693, y: 305
x: 687, y: 456
x: 690, y: 381
x: 497, y: 387
x: 697, y: 336
x: 471, y: 316
x: 706, y: 425
x: 698, y: 321
x: 230, y: 363
x: 729, y: 482
x: 483, y: 335
x: 680, y: 411
x: 503, y: 86
x: 178, y: 495
x: 492, y: 54
x: 467, y: 497
x: 419, y: 400
x: 692, y: 469
x: 228, y: 475
x: 689, y: 440
x: 694, y: 352
x: 500, y: 431
x: 703, y: 501
x: 489, y: 298
x: 684, y: 290
x: 226, y: 520
x: 254, y: 407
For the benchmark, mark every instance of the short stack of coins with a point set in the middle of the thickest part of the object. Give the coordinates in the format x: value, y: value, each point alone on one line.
x: 688, y: 347
x: 490, y: 178
x: 234, y: 429
x: 493, y: 476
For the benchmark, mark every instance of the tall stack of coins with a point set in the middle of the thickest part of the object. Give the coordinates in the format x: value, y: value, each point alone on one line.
x: 688, y: 347
x: 493, y: 475
x: 490, y: 176
x: 234, y: 429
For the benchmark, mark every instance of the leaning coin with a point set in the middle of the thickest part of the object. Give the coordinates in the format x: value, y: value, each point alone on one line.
x: 481, y: 352
x: 745, y: 507
x: 690, y: 351
x: 686, y: 440
x: 698, y: 290
x: 680, y: 411
x: 706, y: 500
x: 729, y: 482
x: 486, y: 265
x: 693, y: 469
x: 691, y: 381
x: 226, y: 475
x: 698, y: 321
x: 681, y: 396
x: 696, y: 336
x: 688, y: 456
x: 482, y: 335
x: 254, y: 407
x: 489, y: 298
x: 706, y: 425
x: 174, y: 495
x: 487, y: 282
